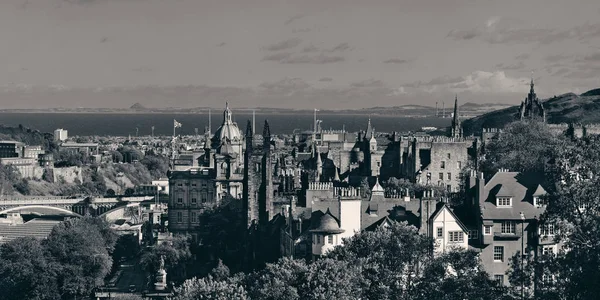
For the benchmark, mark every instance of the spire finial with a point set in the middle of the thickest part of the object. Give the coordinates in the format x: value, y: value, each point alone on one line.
x: 226, y: 104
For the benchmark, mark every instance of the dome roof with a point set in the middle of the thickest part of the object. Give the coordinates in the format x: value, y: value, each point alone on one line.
x: 228, y: 129
x: 327, y: 224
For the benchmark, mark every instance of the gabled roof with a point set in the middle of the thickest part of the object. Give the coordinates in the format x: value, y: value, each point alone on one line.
x: 441, y: 206
x: 519, y: 186
x: 540, y: 191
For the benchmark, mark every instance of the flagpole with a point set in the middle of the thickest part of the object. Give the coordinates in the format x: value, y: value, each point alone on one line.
x: 174, y: 128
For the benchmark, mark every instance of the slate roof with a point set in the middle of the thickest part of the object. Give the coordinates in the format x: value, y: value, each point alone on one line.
x: 39, y: 229
x: 520, y: 187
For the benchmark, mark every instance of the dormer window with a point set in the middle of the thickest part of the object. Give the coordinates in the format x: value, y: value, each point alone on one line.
x: 504, y: 201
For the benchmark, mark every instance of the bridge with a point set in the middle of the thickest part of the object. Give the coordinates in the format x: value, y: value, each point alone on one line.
x: 68, y: 206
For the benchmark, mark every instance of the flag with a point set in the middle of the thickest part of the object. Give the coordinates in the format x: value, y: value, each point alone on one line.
x: 176, y: 124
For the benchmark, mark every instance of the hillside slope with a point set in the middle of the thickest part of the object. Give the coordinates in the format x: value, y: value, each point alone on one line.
x: 566, y: 108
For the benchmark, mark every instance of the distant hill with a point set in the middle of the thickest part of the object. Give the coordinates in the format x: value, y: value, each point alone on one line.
x: 137, y: 106
x: 566, y: 108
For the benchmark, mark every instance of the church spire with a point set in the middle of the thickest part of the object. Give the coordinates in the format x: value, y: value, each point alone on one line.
x: 456, y: 127
x: 266, y: 137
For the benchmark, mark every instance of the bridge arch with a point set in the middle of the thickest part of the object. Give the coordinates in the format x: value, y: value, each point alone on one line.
x: 41, y: 207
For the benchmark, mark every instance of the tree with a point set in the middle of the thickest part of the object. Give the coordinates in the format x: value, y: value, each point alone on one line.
x: 26, y: 272
x: 117, y: 157
x: 156, y: 165
x: 523, y: 146
x: 80, y: 248
x: 129, y: 192
x: 110, y: 193
x: 389, y: 257
x: 573, y: 208
x: 281, y: 280
x: 210, y: 289
x: 332, y: 279
x: 176, y: 253
x: 457, y: 275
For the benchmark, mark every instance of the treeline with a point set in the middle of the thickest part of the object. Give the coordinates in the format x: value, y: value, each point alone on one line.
x: 392, y: 262
x: 69, y: 264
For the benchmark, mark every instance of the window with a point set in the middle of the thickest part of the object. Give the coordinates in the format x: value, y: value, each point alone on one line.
x: 194, y: 217
x: 455, y: 236
x: 203, y: 184
x: 193, y: 184
x: 538, y: 202
x: 315, y: 239
x: 180, y: 184
x: 379, y: 164
x: 473, y: 234
x: 194, y: 199
x: 203, y: 198
x: 547, y: 230
x: 318, y: 238
x: 499, y: 278
x: 179, y: 200
x: 498, y: 253
x: 449, y: 156
x: 548, y: 250
x: 330, y: 239
x: 443, y: 165
x: 487, y: 229
x: 508, y: 227
x: 504, y: 202
x: 449, y: 176
x: 459, y: 165
x: 179, y: 217
x: 441, y: 176
x: 440, y: 232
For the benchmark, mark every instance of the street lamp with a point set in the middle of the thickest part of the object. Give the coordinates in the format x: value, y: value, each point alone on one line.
x: 522, y: 255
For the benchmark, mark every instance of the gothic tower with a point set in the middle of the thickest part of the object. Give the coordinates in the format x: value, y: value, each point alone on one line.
x: 532, y: 108
x: 251, y: 174
x: 456, y: 130
x: 265, y: 203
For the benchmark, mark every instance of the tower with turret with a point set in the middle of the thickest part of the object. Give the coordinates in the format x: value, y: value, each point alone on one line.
x: 456, y: 131
x: 532, y: 108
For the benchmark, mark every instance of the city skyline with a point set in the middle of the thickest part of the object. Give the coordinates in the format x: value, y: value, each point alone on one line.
x: 332, y: 54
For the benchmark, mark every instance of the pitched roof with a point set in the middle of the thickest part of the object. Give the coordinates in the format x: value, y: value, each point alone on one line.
x: 520, y: 187
x: 441, y: 206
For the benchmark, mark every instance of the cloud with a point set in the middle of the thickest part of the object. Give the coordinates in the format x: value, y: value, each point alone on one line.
x: 310, y: 48
x: 523, y: 56
x: 594, y: 57
x: 283, y: 45
x: 326, y: 79
x: 395, y: 61
x: 516, y: 66
x: 221, y: 44
x: 341, y: 47
x: 289, y: 58
x: 301, y: 30
x: 286, y: 85
x: 294, y: 18
x: 476, y: 82
x: 370, y: 83
x: 513, y: 31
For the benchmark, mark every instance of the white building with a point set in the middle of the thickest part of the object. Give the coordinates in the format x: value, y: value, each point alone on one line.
x: 447, y: 230
x: 60, y: 135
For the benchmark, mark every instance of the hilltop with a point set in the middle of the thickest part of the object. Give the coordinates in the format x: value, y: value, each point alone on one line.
x: 566, y: 108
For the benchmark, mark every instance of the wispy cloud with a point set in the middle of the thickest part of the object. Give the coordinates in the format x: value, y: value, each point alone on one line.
x: 326, y: 79
x: 289, y: 58
x: 476, y: 82
x: 516, y: 66
x: 294, y: 18
x: 370, y: 83
x: 284, y: 45
x: 395, y: 61
x: 511, y: 31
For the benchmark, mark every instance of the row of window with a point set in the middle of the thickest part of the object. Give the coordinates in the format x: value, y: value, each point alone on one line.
x: 192, y: 184
x: 326, y: 239
x: 499, y: 252
x: 508, y: 227
x: 441, y: 176
x: 443, y: 164
x: 507, y: 202
x: 453, y: 236
x: 194, y: 217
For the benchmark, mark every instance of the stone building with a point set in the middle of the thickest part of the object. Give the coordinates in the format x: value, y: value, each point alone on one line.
x: 191, y: 192
x: 506, y: 213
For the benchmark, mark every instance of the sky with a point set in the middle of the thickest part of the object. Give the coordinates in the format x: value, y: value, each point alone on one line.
x: 327, y: 54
